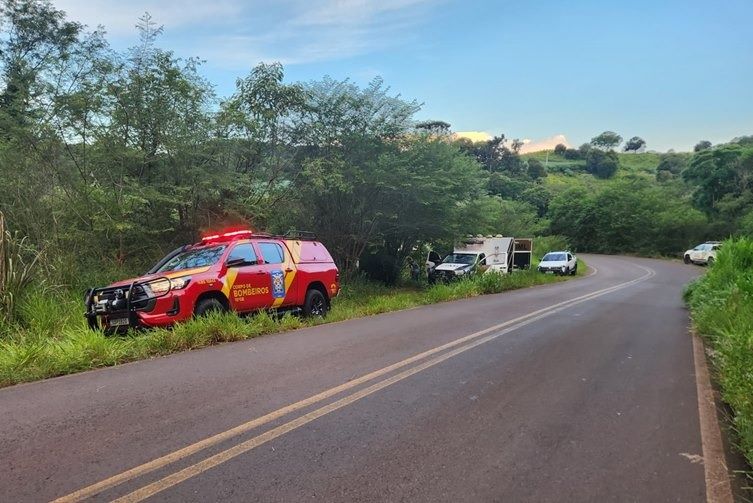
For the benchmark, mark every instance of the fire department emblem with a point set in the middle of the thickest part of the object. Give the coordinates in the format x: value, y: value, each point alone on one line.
x: 278, y: 284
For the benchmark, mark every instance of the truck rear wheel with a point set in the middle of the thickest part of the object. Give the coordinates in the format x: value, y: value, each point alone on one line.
x: 316, y: 304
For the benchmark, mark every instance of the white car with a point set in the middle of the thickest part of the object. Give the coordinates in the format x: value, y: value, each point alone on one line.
x: 559, y: 262
x: 702, y: 254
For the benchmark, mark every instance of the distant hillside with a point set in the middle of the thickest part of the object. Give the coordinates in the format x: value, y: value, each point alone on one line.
x: 629, y: 163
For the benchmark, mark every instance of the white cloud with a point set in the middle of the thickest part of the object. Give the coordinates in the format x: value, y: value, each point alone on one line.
x: 239, y: 34
x: 474, y: 136
x: 543, y: 144
x: 120, y: 17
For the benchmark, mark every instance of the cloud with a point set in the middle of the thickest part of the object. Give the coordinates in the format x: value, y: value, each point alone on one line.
x: 544, y: 144
x: 474, y: 136
x: 120, y: 17
x: 241, y: 33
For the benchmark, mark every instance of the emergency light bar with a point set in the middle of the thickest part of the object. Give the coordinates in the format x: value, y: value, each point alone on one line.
x: 227, y: 236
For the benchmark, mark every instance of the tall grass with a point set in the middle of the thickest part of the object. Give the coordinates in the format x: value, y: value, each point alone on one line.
x: 721, y: 303
x: 52, y: 338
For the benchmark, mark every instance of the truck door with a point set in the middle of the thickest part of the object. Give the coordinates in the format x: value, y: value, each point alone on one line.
x: 247, y: 283
x: 698, y: 253
x: 281, y: 271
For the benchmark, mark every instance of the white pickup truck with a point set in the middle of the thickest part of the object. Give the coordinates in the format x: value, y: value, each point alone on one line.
x: 702, y: 254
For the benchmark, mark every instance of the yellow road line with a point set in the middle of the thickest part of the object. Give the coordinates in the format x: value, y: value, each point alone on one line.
x: 191, y: 449
x: 228, y: 454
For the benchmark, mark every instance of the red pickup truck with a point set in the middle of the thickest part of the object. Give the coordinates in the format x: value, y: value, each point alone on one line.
x: 236, y: 270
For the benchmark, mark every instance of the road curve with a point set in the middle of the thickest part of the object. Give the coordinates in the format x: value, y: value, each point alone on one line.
x: 577, y: 391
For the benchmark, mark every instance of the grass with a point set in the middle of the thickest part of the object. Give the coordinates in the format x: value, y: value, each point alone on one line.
x: 721, y: 304
x: 54, y: 339
x: 644, y: 163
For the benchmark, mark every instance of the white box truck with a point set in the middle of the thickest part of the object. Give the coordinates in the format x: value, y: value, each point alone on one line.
x: 481, y: 253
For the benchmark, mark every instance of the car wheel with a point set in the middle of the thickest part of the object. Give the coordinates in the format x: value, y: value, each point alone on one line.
x: 710, y: 261
x: 316, y: 304
x: 206, y: 306
x: 574, y: 271
x: 686, y: 259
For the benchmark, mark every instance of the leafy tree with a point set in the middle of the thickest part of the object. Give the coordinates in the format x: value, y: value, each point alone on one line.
x: 496, y: 156
x: 435, y: 127
x: 602, y: 164
x: 634, y: 144
x: 702, y: 145
x: 560, y: 149
x: 537, y: 196
x: 723, y: 172
x: 670, y: 165
x: 260, y: 140
x: 506, y: 187
x: 536, y: 169
x: 608, y: 140
x: 572, y: 154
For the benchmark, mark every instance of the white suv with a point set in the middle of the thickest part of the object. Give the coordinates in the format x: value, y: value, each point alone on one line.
x: 559, y: 262
x: 702, y: 254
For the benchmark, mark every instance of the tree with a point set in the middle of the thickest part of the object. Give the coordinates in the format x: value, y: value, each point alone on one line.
x: 724, y: 173
x: 572, y: 154
x: 351, y: 163
x: 496, y: 156
x: 702, y: 145
x: 435, y: 127
x: 536, y: 169
x: 670, y: 165
x: 602, y: 164
x: 634, y: 144
x: 560, y: 149
x: 608, y: 140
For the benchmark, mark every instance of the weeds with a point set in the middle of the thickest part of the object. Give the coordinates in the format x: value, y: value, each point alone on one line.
x: 721, y: 303
x: 52, y: 338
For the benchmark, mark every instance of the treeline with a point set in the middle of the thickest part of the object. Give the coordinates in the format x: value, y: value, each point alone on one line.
x: 108, y: 159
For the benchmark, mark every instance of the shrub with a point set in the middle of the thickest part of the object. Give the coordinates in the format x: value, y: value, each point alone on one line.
x: 602, y: 164
x: 721, y: 303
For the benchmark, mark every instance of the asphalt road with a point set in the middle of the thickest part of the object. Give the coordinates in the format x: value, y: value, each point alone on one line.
x: 515, y: 400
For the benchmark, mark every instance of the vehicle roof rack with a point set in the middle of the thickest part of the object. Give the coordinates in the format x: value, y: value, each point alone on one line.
x: 300, y: 235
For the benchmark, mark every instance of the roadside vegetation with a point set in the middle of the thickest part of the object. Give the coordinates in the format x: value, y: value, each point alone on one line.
x: 55, y: 340
x: 721, y: 303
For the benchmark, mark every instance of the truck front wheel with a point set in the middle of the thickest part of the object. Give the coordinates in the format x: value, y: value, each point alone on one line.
x: 316, y: 304
x: 210, y: 305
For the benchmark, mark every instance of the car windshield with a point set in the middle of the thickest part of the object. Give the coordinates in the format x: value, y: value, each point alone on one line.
x: 460, y: 258
x: 198, y: 257
x: 553, y: 257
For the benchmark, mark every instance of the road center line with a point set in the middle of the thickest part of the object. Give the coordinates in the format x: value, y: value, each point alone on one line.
x: 228, y: 454
x: 189, y: 450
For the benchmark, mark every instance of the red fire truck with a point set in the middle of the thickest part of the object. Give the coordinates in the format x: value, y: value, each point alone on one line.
x: 234, y: 270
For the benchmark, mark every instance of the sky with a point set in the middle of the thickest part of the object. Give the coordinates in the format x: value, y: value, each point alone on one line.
x: 672, y: 71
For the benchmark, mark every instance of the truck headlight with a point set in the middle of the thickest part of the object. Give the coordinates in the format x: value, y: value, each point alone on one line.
x: 180, y: 283
x: 161, y: 286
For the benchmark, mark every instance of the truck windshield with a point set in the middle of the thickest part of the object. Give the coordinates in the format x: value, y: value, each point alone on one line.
x: 553, y: 257
x: 199, y: 257
x: 460, y: 258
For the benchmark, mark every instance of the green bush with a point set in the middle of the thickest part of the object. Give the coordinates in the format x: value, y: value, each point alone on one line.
x: 721, y: 303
